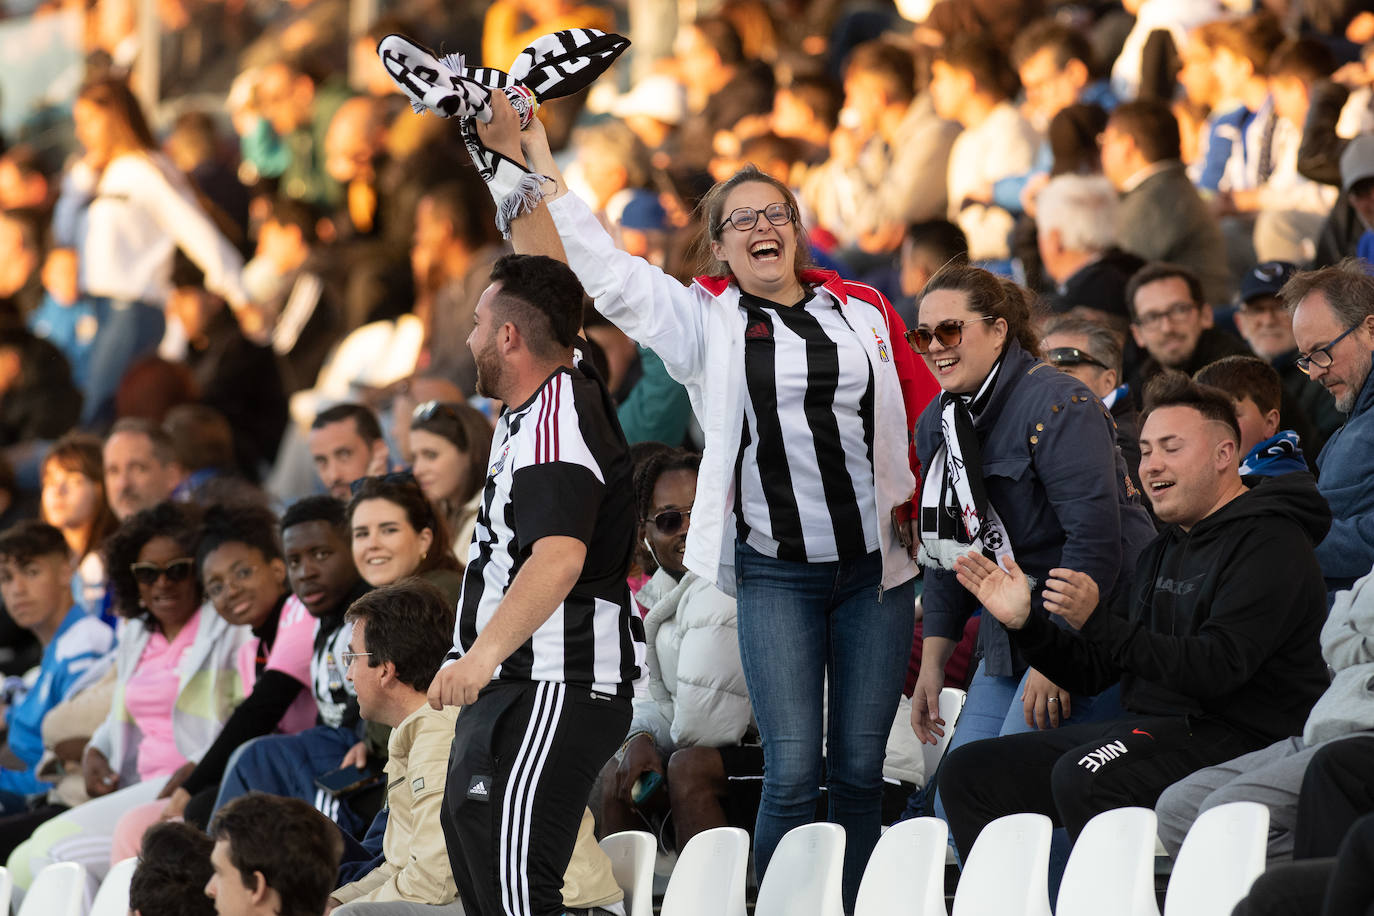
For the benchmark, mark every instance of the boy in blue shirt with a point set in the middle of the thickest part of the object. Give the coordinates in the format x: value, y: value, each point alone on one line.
x: 35, y: 583
x: 1255, y: 388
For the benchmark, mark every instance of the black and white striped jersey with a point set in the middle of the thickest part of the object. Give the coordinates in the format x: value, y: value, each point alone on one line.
x: 804, y: 473
x: 560, y: 466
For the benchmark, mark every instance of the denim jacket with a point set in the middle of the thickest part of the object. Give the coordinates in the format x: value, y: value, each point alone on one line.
x: 1343, y: 478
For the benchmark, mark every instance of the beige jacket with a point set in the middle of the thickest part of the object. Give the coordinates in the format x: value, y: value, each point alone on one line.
x: 416, y: 866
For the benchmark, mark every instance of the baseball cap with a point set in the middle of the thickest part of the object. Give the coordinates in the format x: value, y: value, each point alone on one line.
x: 1357, y: 161
x: 1265, y: 279
x: 644, y: 211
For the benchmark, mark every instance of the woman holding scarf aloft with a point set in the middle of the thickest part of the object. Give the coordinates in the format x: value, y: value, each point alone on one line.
x: 1020, y: 461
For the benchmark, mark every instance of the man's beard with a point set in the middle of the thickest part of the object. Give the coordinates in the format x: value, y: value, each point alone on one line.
x: 1346, y: 402
x: 488, y: 373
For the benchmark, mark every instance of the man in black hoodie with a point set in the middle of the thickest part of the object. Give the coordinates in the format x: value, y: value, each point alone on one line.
x: 1215, y: 643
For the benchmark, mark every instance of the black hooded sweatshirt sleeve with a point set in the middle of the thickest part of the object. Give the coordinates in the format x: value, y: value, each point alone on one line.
x: 1222, y: 620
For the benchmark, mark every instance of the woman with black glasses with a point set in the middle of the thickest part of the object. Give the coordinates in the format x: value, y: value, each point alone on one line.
x: 697, y: 712
x: 177, y: 681
x: 1020, y: 462
x: 806, y: 481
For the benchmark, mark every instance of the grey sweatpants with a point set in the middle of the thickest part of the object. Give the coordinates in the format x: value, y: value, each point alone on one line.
x: 1271, y: 776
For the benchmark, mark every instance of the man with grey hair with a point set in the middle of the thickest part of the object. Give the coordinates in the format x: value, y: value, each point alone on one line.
x: 1091, y: 352
x: 1333, y: 324
x: 141, y: 466
x: 1076, y: 219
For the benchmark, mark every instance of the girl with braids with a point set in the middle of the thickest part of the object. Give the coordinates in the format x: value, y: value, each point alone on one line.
x: 1020, y: 462
x: 684, y: 739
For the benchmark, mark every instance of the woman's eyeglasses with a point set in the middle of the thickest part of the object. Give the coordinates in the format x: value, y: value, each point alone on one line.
x: 950, y: 334
x: 746, y: 218
x: 670, y: 521
x: 175, y: 571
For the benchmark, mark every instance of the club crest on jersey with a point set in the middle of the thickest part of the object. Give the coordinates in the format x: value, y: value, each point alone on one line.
x: 882, y: 347
x: 500, y: 462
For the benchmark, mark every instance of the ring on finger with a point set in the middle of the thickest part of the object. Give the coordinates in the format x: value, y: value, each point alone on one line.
x: 1053, y: 700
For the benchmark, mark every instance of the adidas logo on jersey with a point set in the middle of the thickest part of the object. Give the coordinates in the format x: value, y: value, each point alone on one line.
x: 477, y: 789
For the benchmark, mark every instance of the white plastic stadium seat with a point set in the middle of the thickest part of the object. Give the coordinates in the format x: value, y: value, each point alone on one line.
x: 58, y: 890
x: 708, y: 879
x: 804, y: 875
x: 1007, y: 869
x: 1112, y: 867
x: 1221, y: 857
x: 632, y: 855
x: 113, y: 897
x: 906, y: 873
x: 951, y: 705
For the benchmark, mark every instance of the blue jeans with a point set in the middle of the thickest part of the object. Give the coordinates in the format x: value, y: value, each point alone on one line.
x: 798, y: 622
x: 287, y: 765
x: 128, y: 331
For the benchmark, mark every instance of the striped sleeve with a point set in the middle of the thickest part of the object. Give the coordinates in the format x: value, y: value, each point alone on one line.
x: 556, y: 483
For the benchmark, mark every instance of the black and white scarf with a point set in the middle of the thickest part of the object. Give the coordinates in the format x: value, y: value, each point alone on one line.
x: 555, y: 65
x: 956, y: 516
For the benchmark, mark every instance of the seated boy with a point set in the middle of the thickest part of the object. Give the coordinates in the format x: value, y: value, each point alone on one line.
x: 396, y: 645
x: 35, y: 584
x: 1255, y: 387
x: 172, y: 872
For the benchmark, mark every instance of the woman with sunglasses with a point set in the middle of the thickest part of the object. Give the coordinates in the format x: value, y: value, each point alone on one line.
x: 177, y: 681
x: 449, y: 446
x: 1021, y: 462
x: 396, y: 533
x: 807, y: 405
x: 697, y: 704
x: 241, y: 570
x: 73, y: 501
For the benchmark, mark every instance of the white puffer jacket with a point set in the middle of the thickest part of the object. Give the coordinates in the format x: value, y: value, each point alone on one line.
x: 696, y: 683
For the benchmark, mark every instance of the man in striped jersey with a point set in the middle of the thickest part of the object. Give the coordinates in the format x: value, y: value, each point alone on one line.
x: 546, y: 648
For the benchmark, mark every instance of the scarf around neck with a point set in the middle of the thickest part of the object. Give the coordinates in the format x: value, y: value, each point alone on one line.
x: 956, y: 516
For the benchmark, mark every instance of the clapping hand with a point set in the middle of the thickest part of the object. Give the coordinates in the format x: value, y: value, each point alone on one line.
x: 1004, y: 592
x: 1071, y: 595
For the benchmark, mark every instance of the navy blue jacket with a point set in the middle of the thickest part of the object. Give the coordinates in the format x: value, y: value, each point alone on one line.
x: 1344, y: 478
x: 1057, y: 480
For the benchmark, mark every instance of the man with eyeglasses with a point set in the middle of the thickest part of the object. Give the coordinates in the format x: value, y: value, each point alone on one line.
x: 1333, y: 324
x: 1171, y: 321
x: 1091, y: 353
x: 399, y: 634
x: 1267, y: 327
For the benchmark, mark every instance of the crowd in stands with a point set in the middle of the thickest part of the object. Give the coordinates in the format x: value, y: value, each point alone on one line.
x: 1086, y: 429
